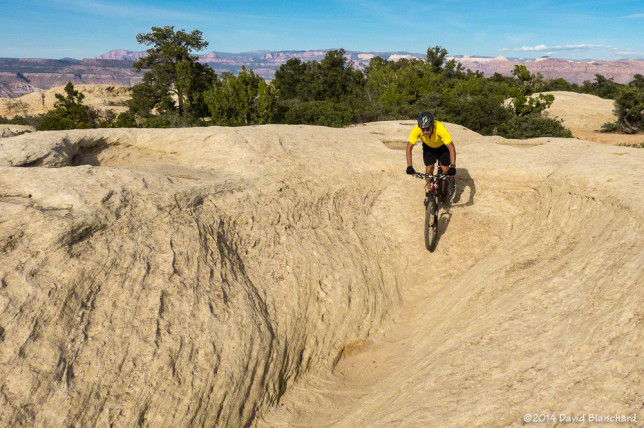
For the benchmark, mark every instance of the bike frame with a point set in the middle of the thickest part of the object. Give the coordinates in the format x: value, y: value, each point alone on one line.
x: 434, y: 182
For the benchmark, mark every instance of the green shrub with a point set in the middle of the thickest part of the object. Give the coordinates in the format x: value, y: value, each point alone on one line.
x: 610, y: 127
x: 242, y: 100
x: 157, y: 122
x: 629, y: 106
x: 479, y: 113
x: 635, y: 146
x: 125, y: 120
x: 53, y: 120
x: 170, y: 120
x: 325, y: 113
x: 533, y: 126
x: 21, y: 120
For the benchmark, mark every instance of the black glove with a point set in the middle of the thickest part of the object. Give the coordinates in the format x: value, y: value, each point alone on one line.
x: 410, y: 170
x: 451, y: 171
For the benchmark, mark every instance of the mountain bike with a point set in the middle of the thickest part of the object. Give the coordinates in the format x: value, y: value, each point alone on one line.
x: 436, y: 191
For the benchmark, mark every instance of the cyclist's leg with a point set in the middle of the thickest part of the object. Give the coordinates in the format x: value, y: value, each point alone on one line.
x: 429, y: 157
x: 443, y: 160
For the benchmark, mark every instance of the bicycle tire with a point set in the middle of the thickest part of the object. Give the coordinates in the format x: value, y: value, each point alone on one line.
x: 431, y: 225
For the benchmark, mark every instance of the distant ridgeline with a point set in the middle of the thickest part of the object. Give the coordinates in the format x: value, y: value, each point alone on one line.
x: 22, y: 76
x: 265, y: 63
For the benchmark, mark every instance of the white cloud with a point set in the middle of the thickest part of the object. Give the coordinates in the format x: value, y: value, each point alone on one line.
x: 531, y: 48
x: 636, y: 15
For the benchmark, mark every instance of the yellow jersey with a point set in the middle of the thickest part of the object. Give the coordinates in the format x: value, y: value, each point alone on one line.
x: 438, y: 137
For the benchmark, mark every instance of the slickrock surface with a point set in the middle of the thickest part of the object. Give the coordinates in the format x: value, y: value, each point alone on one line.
x: 584, y: 115
x: 277, y: 276
x: 13, y: 130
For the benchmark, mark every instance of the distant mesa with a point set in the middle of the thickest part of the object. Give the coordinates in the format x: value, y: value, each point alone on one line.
x: 212, y: 56
x: 397, y: 57
x: 122, y: 55
x: 22, y: 76
x: 465, y: 59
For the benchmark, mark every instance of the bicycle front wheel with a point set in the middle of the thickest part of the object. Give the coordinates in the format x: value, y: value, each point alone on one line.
x: 431, y: 225
x: 443, y: 192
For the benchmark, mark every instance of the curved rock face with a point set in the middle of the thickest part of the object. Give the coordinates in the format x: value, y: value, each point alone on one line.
x: 190, y: 292
x: 549, y: 317
x: 204, y: 276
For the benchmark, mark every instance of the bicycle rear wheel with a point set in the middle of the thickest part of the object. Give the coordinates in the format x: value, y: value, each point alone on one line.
x: 431, y: 224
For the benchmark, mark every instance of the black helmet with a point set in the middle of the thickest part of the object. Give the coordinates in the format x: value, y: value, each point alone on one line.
x: 425, y: 120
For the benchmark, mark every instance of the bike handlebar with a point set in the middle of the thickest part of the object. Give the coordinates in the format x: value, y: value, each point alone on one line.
x: 430, y: 176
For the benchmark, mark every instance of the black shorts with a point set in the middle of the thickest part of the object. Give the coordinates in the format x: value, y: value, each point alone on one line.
x: 430, y: 155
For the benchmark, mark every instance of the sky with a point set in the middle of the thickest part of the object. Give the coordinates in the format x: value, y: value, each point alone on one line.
x: 562, y: 29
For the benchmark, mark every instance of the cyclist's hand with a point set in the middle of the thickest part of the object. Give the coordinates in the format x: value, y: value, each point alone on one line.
x: 451, y: 171
x: 410, y: 170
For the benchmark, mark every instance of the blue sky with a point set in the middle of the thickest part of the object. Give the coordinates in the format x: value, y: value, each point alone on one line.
x: 563, y: 29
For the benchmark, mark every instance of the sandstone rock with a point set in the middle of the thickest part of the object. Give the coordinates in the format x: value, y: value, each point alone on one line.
x: 13, y: 130
x: 276, y: 275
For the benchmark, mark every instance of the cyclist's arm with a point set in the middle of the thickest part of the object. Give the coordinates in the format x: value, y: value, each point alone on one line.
x: 452, y: 152
x: 413, y: 137
x: 410, y: 146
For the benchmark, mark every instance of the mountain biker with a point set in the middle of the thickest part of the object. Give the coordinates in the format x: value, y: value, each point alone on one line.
x: 437, y: 145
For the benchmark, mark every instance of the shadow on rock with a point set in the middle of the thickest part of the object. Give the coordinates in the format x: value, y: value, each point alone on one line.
x: 443, y: 222
x: 89, y: 155
x: 463, y: 181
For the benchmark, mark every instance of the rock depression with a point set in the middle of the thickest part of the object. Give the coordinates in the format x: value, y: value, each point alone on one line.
x: 276, y: 275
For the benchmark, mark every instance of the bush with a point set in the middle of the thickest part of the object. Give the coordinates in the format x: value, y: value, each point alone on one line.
x: 635, y: 146
x: 242, y: 100
x: 610, y: 127
x: 54, y: 121
x: 157, y: 122
x: 21, y: 120
x: 170, y: 120
x: 533, y: 126
x: 125, y: 120
x: 325, y: 113
x: 5, y: 121
x: 479, y: 113
x: 629, y: 106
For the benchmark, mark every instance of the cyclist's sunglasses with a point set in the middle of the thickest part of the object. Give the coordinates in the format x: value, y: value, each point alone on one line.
x: 426, y: 129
